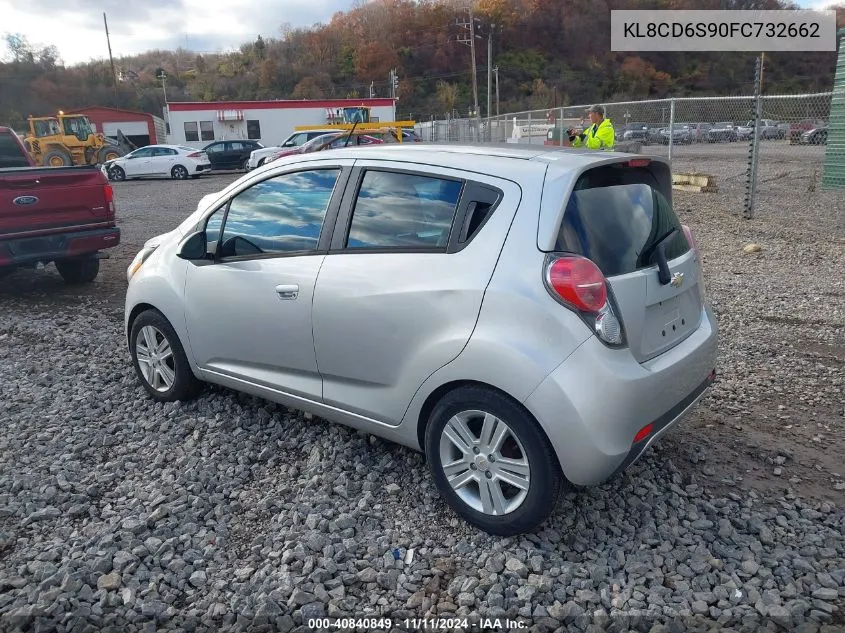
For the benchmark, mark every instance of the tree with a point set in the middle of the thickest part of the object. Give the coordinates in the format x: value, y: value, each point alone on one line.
x: 308, y: 88
x: 21, y: 50
x: 447, y: 94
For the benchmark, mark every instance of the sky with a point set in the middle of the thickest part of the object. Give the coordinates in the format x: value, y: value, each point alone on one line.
x: 75, y: 27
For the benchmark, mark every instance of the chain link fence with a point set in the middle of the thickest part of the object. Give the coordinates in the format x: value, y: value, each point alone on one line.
x: 705, y: 135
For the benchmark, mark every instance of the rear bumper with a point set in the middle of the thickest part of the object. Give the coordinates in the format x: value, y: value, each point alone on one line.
x: 203, y: 167
x: 47, y: 248
x: 594, y: 404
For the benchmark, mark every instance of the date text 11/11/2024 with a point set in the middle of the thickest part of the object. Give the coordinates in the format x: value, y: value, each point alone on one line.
x: 415, y: 624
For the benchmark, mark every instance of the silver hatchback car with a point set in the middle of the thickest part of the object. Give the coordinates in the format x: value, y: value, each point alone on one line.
x: 524, y: 316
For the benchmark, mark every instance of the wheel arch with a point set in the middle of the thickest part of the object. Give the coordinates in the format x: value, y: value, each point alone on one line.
x: 441, y: 391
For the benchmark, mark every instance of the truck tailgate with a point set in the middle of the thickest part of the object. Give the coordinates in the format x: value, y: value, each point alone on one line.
x: 38, y: 201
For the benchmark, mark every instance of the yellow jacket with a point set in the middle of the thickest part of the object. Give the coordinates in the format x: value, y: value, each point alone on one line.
x: 595, y: 137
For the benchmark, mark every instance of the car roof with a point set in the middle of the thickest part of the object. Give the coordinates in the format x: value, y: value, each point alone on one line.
x: 485, y: 157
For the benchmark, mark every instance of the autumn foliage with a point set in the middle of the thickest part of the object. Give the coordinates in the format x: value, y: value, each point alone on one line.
x: 549, y: 52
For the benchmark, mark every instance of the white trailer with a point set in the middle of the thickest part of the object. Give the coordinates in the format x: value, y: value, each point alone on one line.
x: 197, y: 123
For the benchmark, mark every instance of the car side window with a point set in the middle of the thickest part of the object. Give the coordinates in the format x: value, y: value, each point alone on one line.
x: 279, y: 215
x: 400, y: 210
x: 212, y: 149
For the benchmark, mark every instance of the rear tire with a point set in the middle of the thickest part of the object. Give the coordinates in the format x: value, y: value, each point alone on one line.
x: 162, y: 359
x: 80, y: 270
x: 179, y: 172
x: 521, y: 454
x: 57, y: 158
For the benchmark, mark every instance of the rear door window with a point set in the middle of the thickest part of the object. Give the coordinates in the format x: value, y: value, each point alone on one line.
x: 11, y: 154
x: 616, y: 216
x: 399, y: 210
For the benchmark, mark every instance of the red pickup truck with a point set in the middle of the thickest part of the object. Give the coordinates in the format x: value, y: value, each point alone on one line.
x: 53, y: 214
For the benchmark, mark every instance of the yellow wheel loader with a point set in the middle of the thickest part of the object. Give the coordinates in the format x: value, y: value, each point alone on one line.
x: 66, y: 140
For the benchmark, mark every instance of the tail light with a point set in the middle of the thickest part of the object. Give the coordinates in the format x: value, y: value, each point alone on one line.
x: 690, y: 239
x: 108, y: 193
x: 579, y: 284
x: 195, y: 155
x: 694, y: 247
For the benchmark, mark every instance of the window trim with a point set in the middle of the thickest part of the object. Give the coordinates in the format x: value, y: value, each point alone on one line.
x: 196, y: 131
x: 202, y: 132
x: 343, y: 224
x: 325, y: 231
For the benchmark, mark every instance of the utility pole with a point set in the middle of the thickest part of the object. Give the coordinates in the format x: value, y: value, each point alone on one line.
x: 470, y: 25
x: 162, y: 77
x: 111, y: 60
x: 496, y: 70
x: 490, y: 70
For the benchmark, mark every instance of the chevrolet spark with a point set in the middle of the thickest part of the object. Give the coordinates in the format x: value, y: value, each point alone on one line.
x: 526, y: 317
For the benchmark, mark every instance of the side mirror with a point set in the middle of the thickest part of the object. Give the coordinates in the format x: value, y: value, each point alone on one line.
x: 194, y: 247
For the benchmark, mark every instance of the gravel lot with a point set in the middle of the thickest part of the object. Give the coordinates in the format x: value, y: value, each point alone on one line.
x: 231, y: 513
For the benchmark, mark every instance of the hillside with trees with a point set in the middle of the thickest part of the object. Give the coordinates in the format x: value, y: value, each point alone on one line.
x: 549, y: 52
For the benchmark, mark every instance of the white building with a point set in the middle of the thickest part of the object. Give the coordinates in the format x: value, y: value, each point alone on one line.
x: 197, y: 123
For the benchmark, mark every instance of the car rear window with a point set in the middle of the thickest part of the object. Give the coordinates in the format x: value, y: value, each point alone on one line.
x: 616, y: 215
x: 10, y: 152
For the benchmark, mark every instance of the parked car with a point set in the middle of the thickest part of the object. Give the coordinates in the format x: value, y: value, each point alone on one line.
x: 769, y: 130
x: 63, y: 215
x: 332, y: 140
x: 523, y: 316
x: 259, y: 156
x: 698, y: 131
x: 681, y: 134
x: 175, y: 161
x: 633, y: 132
x: 816, y: 136
x: 231, y: 154
x: 724, y: 132
x: 797, y: 130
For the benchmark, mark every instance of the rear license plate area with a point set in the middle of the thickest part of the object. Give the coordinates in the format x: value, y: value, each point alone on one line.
x: 37, y: 245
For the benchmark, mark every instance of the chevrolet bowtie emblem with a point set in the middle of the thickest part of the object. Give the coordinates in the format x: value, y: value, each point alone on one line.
x: 677, y: 280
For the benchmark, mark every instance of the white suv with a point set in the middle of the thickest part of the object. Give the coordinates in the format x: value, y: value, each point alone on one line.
x: 524, y: 316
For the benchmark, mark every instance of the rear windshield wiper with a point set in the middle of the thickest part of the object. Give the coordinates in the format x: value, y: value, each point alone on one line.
x: 664, y: 275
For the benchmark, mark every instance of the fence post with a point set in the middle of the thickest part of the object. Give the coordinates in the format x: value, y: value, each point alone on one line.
x: 754, y: 149
x: 671, y: 126
x: 529, y: 127
x: 561, y: 127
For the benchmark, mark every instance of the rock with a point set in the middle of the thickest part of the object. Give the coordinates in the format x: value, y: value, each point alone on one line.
x: 826, y: 593
x: 367, y: 575
x: 495, y: 563
x: 752, y: 248
x: 517, y: 566
x: 109, y: 582
x: 392, y: 489
x: 750, y: 567
x: 198, y: 578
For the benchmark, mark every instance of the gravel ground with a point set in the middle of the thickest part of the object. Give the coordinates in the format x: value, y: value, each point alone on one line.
x: 231, y: 513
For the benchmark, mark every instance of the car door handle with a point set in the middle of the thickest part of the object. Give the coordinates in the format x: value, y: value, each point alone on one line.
x: 287, y: 291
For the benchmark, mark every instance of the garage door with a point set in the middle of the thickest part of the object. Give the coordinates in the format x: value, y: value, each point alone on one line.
x: 129, y: 128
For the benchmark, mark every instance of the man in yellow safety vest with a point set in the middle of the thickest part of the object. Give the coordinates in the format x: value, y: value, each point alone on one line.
x: 599, y: 135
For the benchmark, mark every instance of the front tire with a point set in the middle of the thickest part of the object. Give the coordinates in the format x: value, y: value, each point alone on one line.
x: 117, y: 174
x: 179, y: 172
x: 491, y: 462
x: 78, y: 270
x: 159, y: 359
x: 57, y: 158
